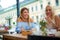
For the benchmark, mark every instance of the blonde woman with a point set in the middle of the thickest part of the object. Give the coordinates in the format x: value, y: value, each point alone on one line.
x: 53, y: 21
x: 24, y: 21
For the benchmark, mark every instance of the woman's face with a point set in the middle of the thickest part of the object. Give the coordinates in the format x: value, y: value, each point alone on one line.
x: 48, y: 11
x: 25, y: 14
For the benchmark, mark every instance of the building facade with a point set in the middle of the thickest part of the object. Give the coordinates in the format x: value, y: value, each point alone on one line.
x: 8, y: 16
x: 36, y: 9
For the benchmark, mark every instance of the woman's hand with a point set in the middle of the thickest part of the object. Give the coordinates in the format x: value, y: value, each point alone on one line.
x: 49, y: 20
x: 33, y: 30
x: 22, y: 29
x: 58, y: 29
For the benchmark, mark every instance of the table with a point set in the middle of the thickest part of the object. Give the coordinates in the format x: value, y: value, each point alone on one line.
x: 14, y: 37
x: 29, y: 37
x: 3, y: 31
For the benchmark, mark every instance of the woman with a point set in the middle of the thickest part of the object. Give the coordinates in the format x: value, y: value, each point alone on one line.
x: 25, y: 23
x: 53, y: 21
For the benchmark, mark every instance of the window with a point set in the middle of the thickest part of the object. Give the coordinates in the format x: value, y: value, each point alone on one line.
x: 0, y: 7
x: 0, y: 0
x: 36, y: 8
x: 59, y: 15
x: 48, y: 3
x: 57, y: 2
x: 41, y: 6
x: 32, y: 9
x: 32, y: 17
x: 37, y: 18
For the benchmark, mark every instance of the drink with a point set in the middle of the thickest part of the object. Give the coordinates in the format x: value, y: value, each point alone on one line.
x: 51, y: 35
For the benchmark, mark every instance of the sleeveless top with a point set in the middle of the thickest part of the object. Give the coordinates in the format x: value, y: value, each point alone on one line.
x: 50, y: 28
x: 50, y: 25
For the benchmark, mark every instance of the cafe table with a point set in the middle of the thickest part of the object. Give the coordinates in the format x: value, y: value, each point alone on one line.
x: 14, y: 37
x: 3, y: 32
x: 30, y: 37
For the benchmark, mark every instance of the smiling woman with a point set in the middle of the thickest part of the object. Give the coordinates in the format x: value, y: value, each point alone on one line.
x: 25, y: 23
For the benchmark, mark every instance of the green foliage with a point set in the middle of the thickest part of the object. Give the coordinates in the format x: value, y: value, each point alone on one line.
x: 10, y: 27
x: 43, y: 27
x: 13, y: 22
x: 42, y: 23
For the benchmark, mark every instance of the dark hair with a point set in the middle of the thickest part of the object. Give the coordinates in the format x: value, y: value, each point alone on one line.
x: 24, y: 9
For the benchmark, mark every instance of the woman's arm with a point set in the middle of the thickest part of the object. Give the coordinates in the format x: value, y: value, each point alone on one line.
x: 34, y: 27
x: 19, y: 27
x: 57, y: 22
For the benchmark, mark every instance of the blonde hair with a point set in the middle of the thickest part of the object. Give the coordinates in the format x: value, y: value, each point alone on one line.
x: 53, y: 14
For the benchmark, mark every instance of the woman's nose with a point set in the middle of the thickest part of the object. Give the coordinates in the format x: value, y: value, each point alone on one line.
x: 48, y: 11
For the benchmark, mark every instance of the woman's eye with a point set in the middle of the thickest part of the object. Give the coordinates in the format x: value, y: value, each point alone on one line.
x: 48, y: 10
x: 24, y: 12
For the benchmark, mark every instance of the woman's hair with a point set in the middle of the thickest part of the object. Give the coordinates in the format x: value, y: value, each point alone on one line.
x: 24, y: 9
x: 21, y: 12
x: 51, y: 10
x: 20, y: 17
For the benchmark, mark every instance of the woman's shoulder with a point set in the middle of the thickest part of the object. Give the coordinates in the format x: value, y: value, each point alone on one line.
x: 31, y: 20
x: 56, y: 17
x: 19, y: 20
